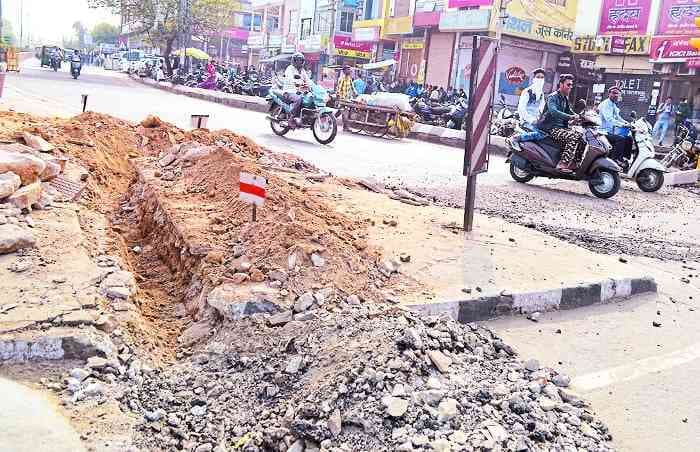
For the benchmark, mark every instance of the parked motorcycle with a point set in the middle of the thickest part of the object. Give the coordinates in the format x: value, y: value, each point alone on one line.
x: 685, y: 153
x: 315, y: 114
x: 643, y: 168
x: 429, y: 114
x: 455, y: 118
x: 540, y: 158
x: 505, y: 122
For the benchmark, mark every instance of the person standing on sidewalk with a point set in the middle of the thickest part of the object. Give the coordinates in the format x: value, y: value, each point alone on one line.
x: 664, y: 119
x: 555, y: 121
x: 345, y: 87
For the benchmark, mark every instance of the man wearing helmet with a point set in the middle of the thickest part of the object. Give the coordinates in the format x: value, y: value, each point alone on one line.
x: 295, y: 79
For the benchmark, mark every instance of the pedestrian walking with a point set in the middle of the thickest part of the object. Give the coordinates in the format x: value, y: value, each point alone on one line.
x: 664, y: 119
x: 345, y: 87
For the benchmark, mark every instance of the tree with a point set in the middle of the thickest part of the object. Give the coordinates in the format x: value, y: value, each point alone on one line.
x: 159, y: 20
x: 80, y: 30
x: 8, y: 35
x: 105, y: 33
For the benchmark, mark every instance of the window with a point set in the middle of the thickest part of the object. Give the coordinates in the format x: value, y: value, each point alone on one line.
x: 293, y: 25
x: 323, y: 22
x: 346, y: 19
x: 369, y: 6
x: 305, y: 28
x: 273, y: 23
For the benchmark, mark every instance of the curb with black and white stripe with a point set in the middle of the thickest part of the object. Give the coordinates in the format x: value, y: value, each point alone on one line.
x: 486, y: 308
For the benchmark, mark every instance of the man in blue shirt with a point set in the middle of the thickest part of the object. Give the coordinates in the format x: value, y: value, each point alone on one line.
x: 611, y: 122
x: 360, y: 85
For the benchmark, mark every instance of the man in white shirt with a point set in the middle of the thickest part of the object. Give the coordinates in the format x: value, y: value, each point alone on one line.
x: 295, y: 80
x: 532, y: 100
x: 611, y: 122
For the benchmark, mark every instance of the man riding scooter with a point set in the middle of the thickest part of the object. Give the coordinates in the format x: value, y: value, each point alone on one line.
x: 555, y: 121
x: 76, y: 64
x: 295, y: 79
x: 611, y: 122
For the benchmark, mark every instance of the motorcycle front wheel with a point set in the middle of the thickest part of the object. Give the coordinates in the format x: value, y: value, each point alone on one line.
x: 277, y: 127
x: 520, y: 175
x: 325, y: 128
x: 605, y: 184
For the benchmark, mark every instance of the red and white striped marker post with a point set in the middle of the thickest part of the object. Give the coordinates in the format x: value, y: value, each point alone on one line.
x: 253, y: 190
x: 482, y: 84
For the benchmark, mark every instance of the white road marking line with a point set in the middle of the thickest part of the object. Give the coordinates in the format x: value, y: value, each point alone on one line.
x: 634, y: 370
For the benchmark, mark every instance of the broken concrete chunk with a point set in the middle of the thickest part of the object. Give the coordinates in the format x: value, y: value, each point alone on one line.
x: 27, y: 167
x: 13, y: 238
x: 26, y: 196
x: 37, y: 143
x: 9, y: 183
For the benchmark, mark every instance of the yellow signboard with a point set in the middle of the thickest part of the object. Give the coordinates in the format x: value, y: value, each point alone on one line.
x: 398, y: 25
x: 352, y: 53
x: 550, y: 21
x: 412, y: 44
x: 634, y: 45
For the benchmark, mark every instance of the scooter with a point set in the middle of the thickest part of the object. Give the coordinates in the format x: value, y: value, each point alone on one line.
x: 457, y: 114
x: 540, y: 158
x: 75, y: 67
x: 643, y: 168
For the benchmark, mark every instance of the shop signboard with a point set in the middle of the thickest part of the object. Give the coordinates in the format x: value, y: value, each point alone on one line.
x: 565, y: 63
x: 237, y: 34
x: 513, y: 81
x: 290, y: 43
x: 365, y: 34
x: 541, y: 20
x: 256, y: 41
x: 677, y: 17
x: 465, y: 20
x: 274, y: 41
x: 399, y: 25
x: 624, y: 17
x: 412, y: 44
x: 345, y: 46
x: 617, y: 45
x: 672, y: 49
x: 633, y: 45
x: 469, y: 3
x: 426, y: 19
x: 693, y: 63
x: 311, y: 43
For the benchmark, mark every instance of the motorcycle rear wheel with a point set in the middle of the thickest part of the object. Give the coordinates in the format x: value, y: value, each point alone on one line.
x: 650, y: 180
x: 520, y: 175
x: 277, y: 127
x: 325, y: 133
x: 608, y: 186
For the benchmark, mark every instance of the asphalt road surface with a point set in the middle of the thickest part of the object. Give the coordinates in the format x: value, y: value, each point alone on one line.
x: 643, y: 380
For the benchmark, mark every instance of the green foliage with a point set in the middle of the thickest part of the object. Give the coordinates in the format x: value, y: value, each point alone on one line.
x: 105, y: 33
x: 9, y: 38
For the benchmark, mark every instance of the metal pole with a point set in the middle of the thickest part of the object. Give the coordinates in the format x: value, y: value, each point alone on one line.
x: 21, y: 23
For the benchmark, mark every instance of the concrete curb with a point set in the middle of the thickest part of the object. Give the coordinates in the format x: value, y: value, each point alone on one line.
x: 232, y: 100
x: 420, y: 132
x: 681, y: 177
x: 487, y: 308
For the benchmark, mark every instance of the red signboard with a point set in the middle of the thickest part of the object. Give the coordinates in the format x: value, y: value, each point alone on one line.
x: 346, y: 42
x: 253, y: 189
x: 426, y: 19
x: 617, y: 45
x: 237, y: 33
x: 516, y: 75
x: 672, y: 49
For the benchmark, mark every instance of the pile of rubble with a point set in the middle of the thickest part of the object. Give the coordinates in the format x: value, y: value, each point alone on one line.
x: 24, y: 175
x: 352, y: 378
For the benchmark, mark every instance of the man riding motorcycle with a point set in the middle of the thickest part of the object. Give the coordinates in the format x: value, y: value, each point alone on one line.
x: 295, y: 79
x: 555, y: 121
x: 610, y: 120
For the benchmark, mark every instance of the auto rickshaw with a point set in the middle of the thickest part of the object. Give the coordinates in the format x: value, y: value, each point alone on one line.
x: 46, y: 55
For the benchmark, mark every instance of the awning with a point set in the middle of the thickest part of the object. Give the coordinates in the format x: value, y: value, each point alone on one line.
x: 194, y: 53
x: 276, y: 58
x: 379, y: 64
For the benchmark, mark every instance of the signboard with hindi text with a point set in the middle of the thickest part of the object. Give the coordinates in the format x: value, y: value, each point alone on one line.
x: 677, y: 17
x: 624, y: 17
x: 550, y: 21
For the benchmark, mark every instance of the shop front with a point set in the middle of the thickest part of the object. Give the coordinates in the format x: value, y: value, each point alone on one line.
x: 411, y: 61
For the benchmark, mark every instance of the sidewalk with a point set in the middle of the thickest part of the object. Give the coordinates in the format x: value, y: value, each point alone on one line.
x: 497, y: 258
x: 30, y: 423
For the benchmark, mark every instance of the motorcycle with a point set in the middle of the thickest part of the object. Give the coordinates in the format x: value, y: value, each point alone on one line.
x: 55, y: 63
x: 75, y: 68
x: 685, y: 153
x: 315, y: 114
x: 455, y: 118
x: 540, y: 158
x: 428, y: 114
x: 642, y: 167
x: 505, y: 121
